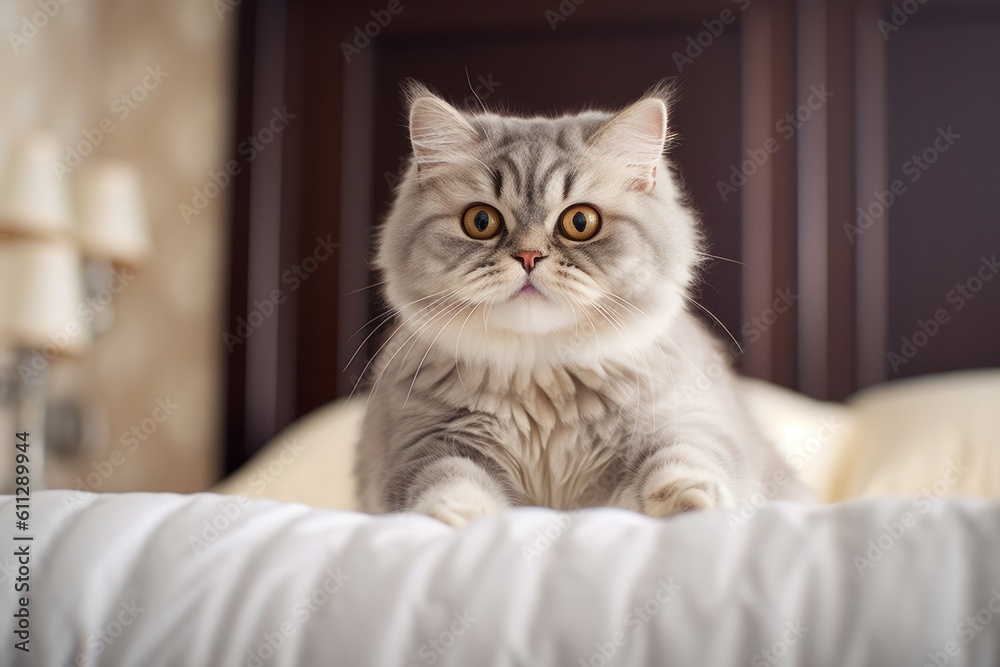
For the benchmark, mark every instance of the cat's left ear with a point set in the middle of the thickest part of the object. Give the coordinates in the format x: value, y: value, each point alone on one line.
x: 438, y: 132
x: 636, y: 138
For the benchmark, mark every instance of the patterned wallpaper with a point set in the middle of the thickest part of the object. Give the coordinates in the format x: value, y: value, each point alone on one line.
x: 148, y: 82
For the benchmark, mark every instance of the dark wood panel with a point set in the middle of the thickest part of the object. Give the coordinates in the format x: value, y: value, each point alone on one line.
x: 235, y: 361
x: 783, y: 368
x: 946, y: 220
x: 768, y: 198
x: 871, y: 243
x: 319, y: 176
x: 840, y: 156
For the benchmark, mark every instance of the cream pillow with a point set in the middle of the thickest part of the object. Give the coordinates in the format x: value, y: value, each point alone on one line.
x: 938, y: 434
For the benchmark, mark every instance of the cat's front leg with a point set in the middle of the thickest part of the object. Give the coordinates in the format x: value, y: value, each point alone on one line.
x: 669, y: 479
x: 448, y: 486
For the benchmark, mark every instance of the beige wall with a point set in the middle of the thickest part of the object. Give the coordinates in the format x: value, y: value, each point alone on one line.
x: 166, y: 342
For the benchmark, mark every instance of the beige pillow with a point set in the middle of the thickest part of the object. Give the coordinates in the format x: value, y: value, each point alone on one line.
x: 309, y: 462
x: 937, y: 434
x: 810, y: 433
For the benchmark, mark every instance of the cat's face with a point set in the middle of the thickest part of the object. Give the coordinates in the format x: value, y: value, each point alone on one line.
x: 538, y: 226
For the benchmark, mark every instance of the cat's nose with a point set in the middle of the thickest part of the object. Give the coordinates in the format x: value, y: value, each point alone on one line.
x: 528, y: 258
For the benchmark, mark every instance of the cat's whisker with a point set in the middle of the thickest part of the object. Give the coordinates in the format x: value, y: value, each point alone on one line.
x: 469, y: 81
x: 564, y: 299
x: 722, y: 259
x: 458, y: 340
x: 662, y: 331
x: 651, y: 324
x: 486, y: 321
x: 447, y: 309
x: 636, y: 391
x: 618, y: 317
x: 436, y: 315
x: 458, y: 311
x: 613, y: 307
x: 576, y: 321
x: 571, y: 292
x: 697, y: 370
x: 362, y: 289
x: 718, y: 321
x: 635, y: 365
x: 388, y: 317
x: 385, y: 317
x: 649, y: 371
x: 391, y: 337
x: 597, y: 336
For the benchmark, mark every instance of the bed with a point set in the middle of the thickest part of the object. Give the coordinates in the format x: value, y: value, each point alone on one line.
x: 900, y: 565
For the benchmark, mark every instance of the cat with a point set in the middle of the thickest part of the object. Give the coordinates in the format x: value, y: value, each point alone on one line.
x: 539, y: 271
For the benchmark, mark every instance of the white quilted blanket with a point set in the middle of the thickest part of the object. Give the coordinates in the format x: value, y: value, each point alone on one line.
x: 155, y: 579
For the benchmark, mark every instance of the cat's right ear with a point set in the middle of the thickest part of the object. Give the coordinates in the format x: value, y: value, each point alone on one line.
x: 438, y: 132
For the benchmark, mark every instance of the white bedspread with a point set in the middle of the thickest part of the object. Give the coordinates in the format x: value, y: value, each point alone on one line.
x: 156, y: 579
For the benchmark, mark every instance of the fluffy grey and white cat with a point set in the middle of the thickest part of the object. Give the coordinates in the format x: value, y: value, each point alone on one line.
x: 543, y: 352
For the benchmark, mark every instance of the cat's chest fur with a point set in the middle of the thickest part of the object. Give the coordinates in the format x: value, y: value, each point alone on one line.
x: 564, y: 428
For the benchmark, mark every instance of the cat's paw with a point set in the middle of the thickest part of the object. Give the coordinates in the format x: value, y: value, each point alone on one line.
x: 457, y: 504
x: 675, y: 491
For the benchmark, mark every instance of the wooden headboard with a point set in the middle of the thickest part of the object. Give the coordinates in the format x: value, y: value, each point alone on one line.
x: 842, y: 157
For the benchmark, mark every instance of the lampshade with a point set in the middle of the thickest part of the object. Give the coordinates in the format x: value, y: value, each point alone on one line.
x: 113, y: 222
x: 33, y: 198
x: 42, y: 300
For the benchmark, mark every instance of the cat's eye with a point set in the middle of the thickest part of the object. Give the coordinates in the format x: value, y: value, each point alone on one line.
x: 482, y: 221
x: 580, y: 222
